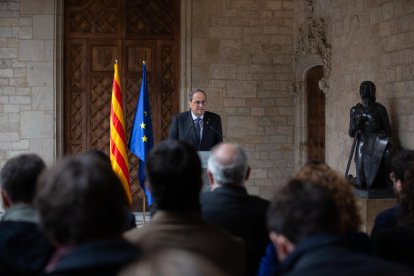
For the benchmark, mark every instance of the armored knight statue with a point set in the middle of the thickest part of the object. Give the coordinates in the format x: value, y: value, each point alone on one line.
x: 370, y: 127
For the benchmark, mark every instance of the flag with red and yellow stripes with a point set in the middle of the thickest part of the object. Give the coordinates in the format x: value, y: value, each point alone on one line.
x: 118, y: 153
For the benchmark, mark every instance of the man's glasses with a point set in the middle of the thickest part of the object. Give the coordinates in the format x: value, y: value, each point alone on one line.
x: 202, y: 103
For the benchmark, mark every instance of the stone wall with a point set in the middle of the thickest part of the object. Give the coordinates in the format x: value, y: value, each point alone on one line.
x: 371, y: 40
x: 241, y: 55
x: 27, y: 105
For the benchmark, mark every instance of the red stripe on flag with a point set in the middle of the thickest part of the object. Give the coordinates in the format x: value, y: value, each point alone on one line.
x: 119, y: 157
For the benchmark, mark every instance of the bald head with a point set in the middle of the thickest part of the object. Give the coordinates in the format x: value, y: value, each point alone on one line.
x: 227, y: 165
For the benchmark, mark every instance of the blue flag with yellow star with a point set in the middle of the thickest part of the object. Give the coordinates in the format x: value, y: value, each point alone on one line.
x: 141, y: 140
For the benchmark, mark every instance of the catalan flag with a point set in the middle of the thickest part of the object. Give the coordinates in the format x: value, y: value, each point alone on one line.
x: 118, y: 154
x: 142, y: 137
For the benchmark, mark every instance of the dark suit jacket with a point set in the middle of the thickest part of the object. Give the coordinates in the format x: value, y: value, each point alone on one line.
x: 242, y: 215
x: 323, y: 255
x: 396, y: 244
x: 100, y: 258
x: 24, y: 248
x: 182, y: 128
x: 189, y: 231
x: 385, y: 220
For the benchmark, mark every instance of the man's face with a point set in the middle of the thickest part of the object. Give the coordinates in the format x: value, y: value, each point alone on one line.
x: 198, y: 104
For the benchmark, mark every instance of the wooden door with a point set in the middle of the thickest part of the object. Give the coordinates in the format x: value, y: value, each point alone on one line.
x: 98, y: 32
x: 315, y: 115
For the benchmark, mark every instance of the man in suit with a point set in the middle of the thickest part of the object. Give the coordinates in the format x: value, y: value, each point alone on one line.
x: 199, y: 127
x: 174, y: 179
x: 25, y: 249
x: 229, y: 206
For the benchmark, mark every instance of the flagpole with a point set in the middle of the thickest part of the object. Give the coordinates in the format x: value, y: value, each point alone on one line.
x: 143, y: 207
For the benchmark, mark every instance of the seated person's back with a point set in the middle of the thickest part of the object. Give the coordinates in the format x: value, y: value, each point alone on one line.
x: 25, y: 249
x: 174, y: 179
x: 81, y: 205
x: 229, y: 206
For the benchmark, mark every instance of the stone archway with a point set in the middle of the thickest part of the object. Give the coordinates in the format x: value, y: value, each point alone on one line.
x: 312, y: 49
x: 298, y: 91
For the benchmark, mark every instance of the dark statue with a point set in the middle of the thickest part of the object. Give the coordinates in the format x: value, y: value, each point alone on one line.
x: 371, y: 130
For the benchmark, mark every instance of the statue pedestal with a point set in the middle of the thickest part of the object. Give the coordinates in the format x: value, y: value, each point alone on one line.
x: 371, y: 202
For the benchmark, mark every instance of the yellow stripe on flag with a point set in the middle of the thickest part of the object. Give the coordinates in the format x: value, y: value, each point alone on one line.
x: 118, y: 153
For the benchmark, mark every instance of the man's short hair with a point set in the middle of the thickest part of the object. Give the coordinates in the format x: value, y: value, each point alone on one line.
x: 191, y: 94
x: 174, y: 175
x: 322, y: 175
x: 228, y: 173
x: 19, y: 176
x: 399, y: 163
x: 301, y: 209
x: 81, y: 199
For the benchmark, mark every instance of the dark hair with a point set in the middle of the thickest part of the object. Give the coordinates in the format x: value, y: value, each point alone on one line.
x: 80, y: 199
x: 191, y: 94
x: 174, y: 175
x: 406, y: 211
x: 321, y: 174
x: 300, y: 209
x: 19, y: 176
x: 399, y: 163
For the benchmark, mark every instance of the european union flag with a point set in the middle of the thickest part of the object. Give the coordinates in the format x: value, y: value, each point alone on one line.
x: 141, y: 140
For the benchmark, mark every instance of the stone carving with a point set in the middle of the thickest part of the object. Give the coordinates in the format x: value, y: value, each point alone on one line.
x: 323, y: 85
x: 294, y: 88
x: 313, y: 40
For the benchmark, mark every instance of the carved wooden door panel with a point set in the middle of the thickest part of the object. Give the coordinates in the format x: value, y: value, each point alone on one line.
x: 98, y: 32
x: 315, y: 115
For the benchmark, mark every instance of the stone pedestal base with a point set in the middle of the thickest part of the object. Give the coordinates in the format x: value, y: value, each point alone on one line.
x: 370, y: 207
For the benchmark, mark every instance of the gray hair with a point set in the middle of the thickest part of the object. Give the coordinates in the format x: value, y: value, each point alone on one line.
x: 231, y: 171
x: 191, y: 94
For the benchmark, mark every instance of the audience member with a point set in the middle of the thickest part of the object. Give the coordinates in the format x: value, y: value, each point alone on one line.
x: 174, y: 179
x: 229, y: 206
x: 397, y: 243
x: 173, y: 262
x: 349, y: 217
x: 388, y: 218
x: 25, y: 249
x: 81, y: 206
x: 349, y: 233
x: 304, y: 222
x: 130, y: 222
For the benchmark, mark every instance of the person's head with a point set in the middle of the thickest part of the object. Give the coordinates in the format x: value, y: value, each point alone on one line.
x: 299, y: 210
x: 406, y: 211
x: 367, y: 90
x: 197, y: 101
x: 80, y: 199
x: 18, y: 179
x: 322, y: 175
x: 227, y: 165
x: 174, y: 176
x: 399, y: 165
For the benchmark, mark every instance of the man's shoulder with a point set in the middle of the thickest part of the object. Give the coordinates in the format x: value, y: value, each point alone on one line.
x: 211, y: 115
x: 390, y: 213
x: 182, y: 115
x: 342, y: 261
